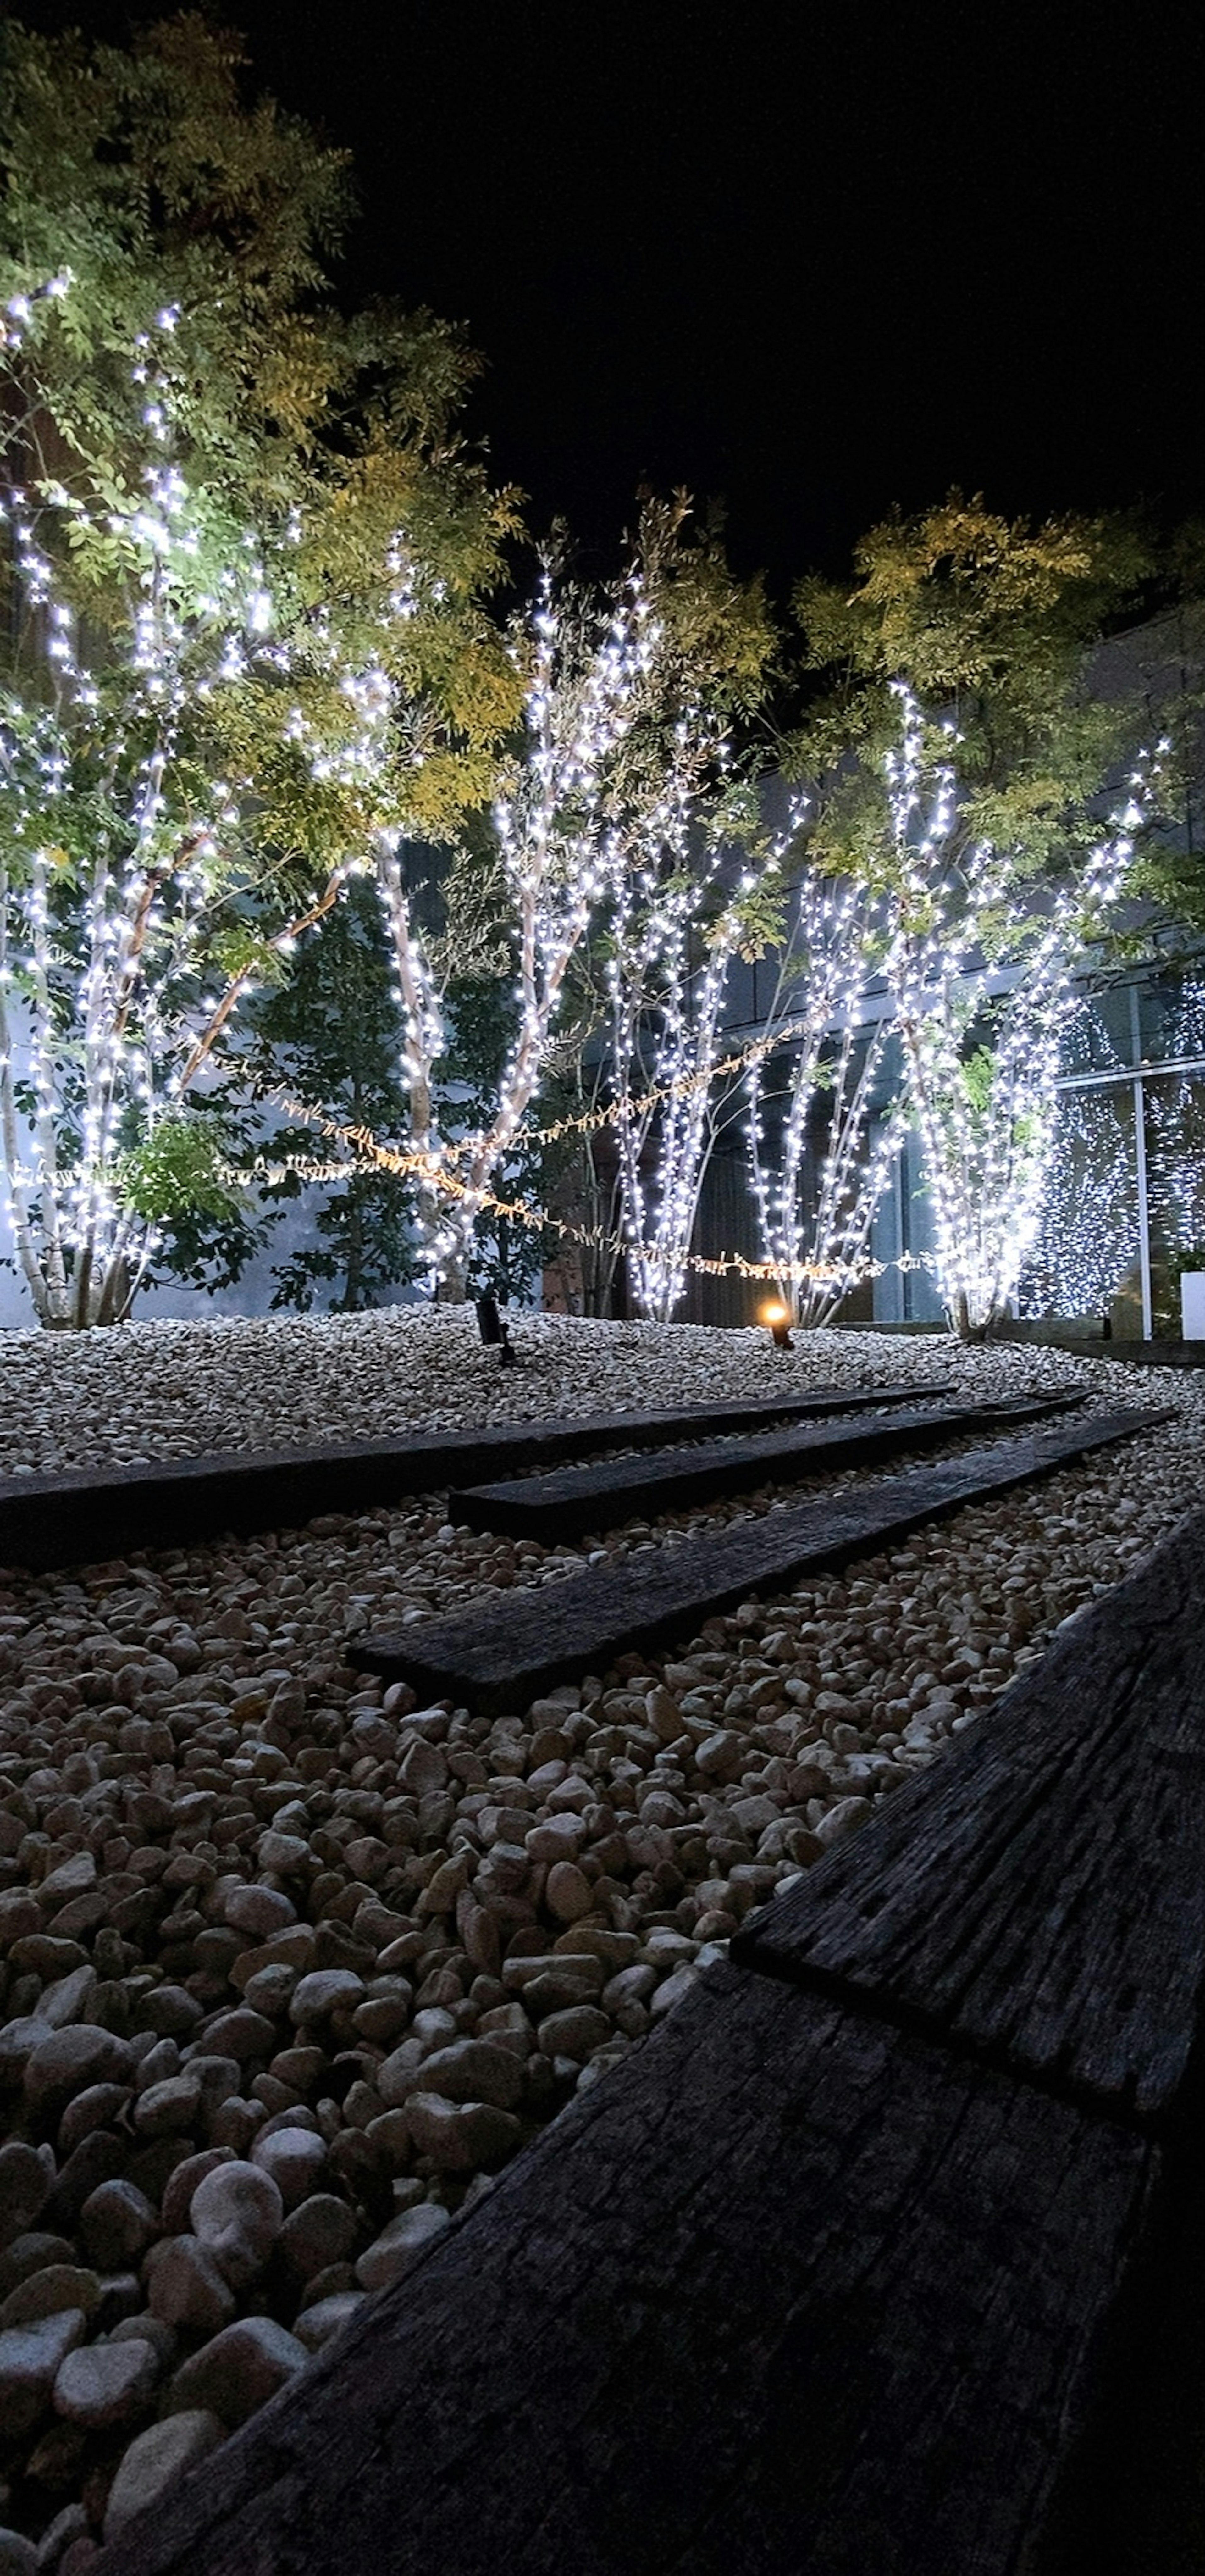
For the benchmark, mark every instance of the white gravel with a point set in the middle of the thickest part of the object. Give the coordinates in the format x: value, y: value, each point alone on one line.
x: 256, y: 1912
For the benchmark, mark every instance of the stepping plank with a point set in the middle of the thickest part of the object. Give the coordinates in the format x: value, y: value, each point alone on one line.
x: 1040, y: 1895
x: 514, y: 1645
x: 790, y: 2294
x: 575, y: 1500
x: 85, y: 1515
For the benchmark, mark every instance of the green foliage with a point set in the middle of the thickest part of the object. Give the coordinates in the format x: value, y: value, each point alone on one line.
x: 179, y: 1165
x: 160, y: 189
x: 178, y: 1180
x: 333, y: 1035
x: 506, y: 1255
x: 989, y: 622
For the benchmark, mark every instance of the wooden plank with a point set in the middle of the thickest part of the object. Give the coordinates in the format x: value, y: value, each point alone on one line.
x: 501, y: 1653
x: 81, y: 1516
x: 575, y: 1500
x: 790, y: 2294
x: 1040, y: 1895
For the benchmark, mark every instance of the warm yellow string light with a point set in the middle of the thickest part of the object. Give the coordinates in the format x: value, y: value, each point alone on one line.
x: 520, y: 1212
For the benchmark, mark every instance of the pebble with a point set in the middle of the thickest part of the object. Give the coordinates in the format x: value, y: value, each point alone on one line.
x: 116, y: 2225
x: 31, y: 2357
x: 186, y: 2287
x: 100, y: 2385
x: 293, y: 2158
x: 320, y: 2231
x: 236, y: 2216
x: 460, y: 2137
x: 240, y: 2370
x: 327, y: 2317
x: 64, y: 2062
x: 154, y: 2462
x: 262, y: 1915
x: 394, y: 2250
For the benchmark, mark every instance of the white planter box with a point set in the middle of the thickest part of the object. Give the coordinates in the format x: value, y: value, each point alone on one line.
x: 1192, y: 1305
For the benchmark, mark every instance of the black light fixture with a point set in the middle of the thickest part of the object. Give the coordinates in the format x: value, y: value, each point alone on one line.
x: 779, y: 1320
x: 491, y: 1324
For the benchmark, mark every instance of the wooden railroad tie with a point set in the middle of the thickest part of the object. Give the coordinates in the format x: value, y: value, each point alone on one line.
x: 80, y: 1517
x: 504, y: 1651
x: 575, y: 1500
x: 821, y: 2280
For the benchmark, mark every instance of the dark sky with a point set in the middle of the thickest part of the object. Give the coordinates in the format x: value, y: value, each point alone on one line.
x: 814, y: 260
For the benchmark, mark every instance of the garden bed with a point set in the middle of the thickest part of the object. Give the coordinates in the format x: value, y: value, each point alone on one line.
x: 301, y: 1928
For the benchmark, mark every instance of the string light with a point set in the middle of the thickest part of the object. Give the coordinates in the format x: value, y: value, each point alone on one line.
x: 987, y: 1119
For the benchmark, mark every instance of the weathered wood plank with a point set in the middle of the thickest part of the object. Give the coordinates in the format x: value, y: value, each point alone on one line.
x: 791, y: 2294
x: 506, y: 1650
x: 80, y: 1517
x: 574, y: 1500
x: 1040, y: 1895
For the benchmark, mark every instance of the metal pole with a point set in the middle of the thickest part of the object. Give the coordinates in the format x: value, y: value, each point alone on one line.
x: 1144, y: 1212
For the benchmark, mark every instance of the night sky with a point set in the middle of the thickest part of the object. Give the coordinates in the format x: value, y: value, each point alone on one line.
x: 813, y: 261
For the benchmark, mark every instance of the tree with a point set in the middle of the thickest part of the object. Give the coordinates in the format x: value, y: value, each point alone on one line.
x: 246, y: 585
x: 811, y: 1087
x: 622, y: 731
x: 990, y: 623
x: 980, y: 977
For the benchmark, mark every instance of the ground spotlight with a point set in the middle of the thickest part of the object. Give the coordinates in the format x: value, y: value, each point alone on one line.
x: 778, y: 1318
x: 491, y: 1324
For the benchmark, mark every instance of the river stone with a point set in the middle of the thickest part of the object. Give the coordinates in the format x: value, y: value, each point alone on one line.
x: 325, y: 1991
x: 73, y: 1877
x: 32, y: 2252
x: 70, y: 1998
x: 95, y: 2108
x: 236, y: 2215
x: 166, y: 2110
x: 185, y: 2287
x: 30, y: 2360
x: 240, y: 2370
x: 18, y: 2040
x: 18, y: 2557
x: 239, y: 2033
x: 574, y: 2033
x: 475, y: 2070
x: 170, y: 2011
x: 294, y: 2158
x: 559, y: 1838
x: 398, y: 2075
x: 177, y: 2197
x: 24, y: 2184
x: 269, y: 1990
x: 155, y: 2460
x: 116, y: 2225
x: 315, y: 2326
x: 845, y: 1818
x: 321, y: 2231
x: 48, y: 2293
x: 459, y: 2137
x: 394, y: 2250
x: 258, y: 1911
x: 64, y: 2062
x: 674, y: 1989
x: 106, y: 2383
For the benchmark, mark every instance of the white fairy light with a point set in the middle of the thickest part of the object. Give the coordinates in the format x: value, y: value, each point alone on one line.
x: 114, y: 852
x: 986, y: 1119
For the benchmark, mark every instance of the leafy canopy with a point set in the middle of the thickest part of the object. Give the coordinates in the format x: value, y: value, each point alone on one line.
x: 990, y: 623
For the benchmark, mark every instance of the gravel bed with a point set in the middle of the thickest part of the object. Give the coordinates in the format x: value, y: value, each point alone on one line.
x: 289, y: 1968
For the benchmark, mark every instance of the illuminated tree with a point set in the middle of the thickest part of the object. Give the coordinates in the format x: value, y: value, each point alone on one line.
x: 249, y: 650
x: 815, y: 1184
x: 980, y: 975
x: 623, y: 744
x: 187, y: 789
